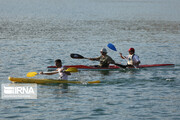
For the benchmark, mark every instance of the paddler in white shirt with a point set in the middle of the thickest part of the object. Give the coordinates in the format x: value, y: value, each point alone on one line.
x: 132, y: 59
x: 104, y: 59
x: 63, y: 75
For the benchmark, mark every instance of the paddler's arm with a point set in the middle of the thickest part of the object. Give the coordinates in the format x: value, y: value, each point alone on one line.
x: 136, y: 61
x: 94, y: 59
x: 123, y: 57
x: 48, y: 73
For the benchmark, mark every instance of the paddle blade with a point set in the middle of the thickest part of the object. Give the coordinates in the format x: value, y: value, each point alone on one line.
x: 112, y: 47
x: 92, y: 82
x: 76, y: 56
x: 31, y: 74
x: 72, y: 69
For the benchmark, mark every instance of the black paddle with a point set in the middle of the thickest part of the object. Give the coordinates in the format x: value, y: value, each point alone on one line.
x: 77, y: 56
x: 119, y: 65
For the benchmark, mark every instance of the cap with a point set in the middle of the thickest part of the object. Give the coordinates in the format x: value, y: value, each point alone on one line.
x: 104, y: 50
x: 131, y: 49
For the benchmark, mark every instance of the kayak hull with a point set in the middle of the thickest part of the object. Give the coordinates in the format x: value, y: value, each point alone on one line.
x: 46, y: 81
x: 111, y: 67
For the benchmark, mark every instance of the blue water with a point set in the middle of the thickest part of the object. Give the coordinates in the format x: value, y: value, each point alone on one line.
x: 35, y: 33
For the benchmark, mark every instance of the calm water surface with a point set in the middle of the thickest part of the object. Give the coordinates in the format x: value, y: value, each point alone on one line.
x: 35, y: 33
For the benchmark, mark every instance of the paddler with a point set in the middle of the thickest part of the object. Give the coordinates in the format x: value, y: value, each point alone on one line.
x: 104, y: 59
x: 132, y: 59
x: 63, y: 75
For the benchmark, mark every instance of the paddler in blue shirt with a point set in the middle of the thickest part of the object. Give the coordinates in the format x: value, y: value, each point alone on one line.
x: 132, y: 59
x: 104, y: 59
x: 63, y: 75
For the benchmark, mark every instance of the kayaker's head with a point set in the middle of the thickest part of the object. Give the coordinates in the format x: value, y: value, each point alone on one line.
x: 58, y: 63
x: 103, y: 51
x: 131, y: 51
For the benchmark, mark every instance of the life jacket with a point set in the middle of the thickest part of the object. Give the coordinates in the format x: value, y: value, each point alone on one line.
x: 104, y: 61
x: 62, y: 75
x: 130, y: 59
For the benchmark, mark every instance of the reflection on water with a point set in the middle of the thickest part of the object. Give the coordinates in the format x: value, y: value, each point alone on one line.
x: 55, y: 90
x: 104, y: 72
x: 62, y: 89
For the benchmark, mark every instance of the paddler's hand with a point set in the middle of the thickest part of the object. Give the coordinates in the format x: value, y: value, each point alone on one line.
x: 94, y: 59
x: 90, y: 59
x: 120, y: 54
x: 41, y: 73
x: 123, y: 57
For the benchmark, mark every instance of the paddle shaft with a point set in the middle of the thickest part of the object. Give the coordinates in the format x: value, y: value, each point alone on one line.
x: 71, y: 69
x: 112, y: 47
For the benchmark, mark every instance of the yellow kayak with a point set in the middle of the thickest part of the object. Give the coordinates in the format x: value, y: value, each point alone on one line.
x: 45, y: 81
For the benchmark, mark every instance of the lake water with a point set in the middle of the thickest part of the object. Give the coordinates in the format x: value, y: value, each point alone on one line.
x: 33, y: 33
